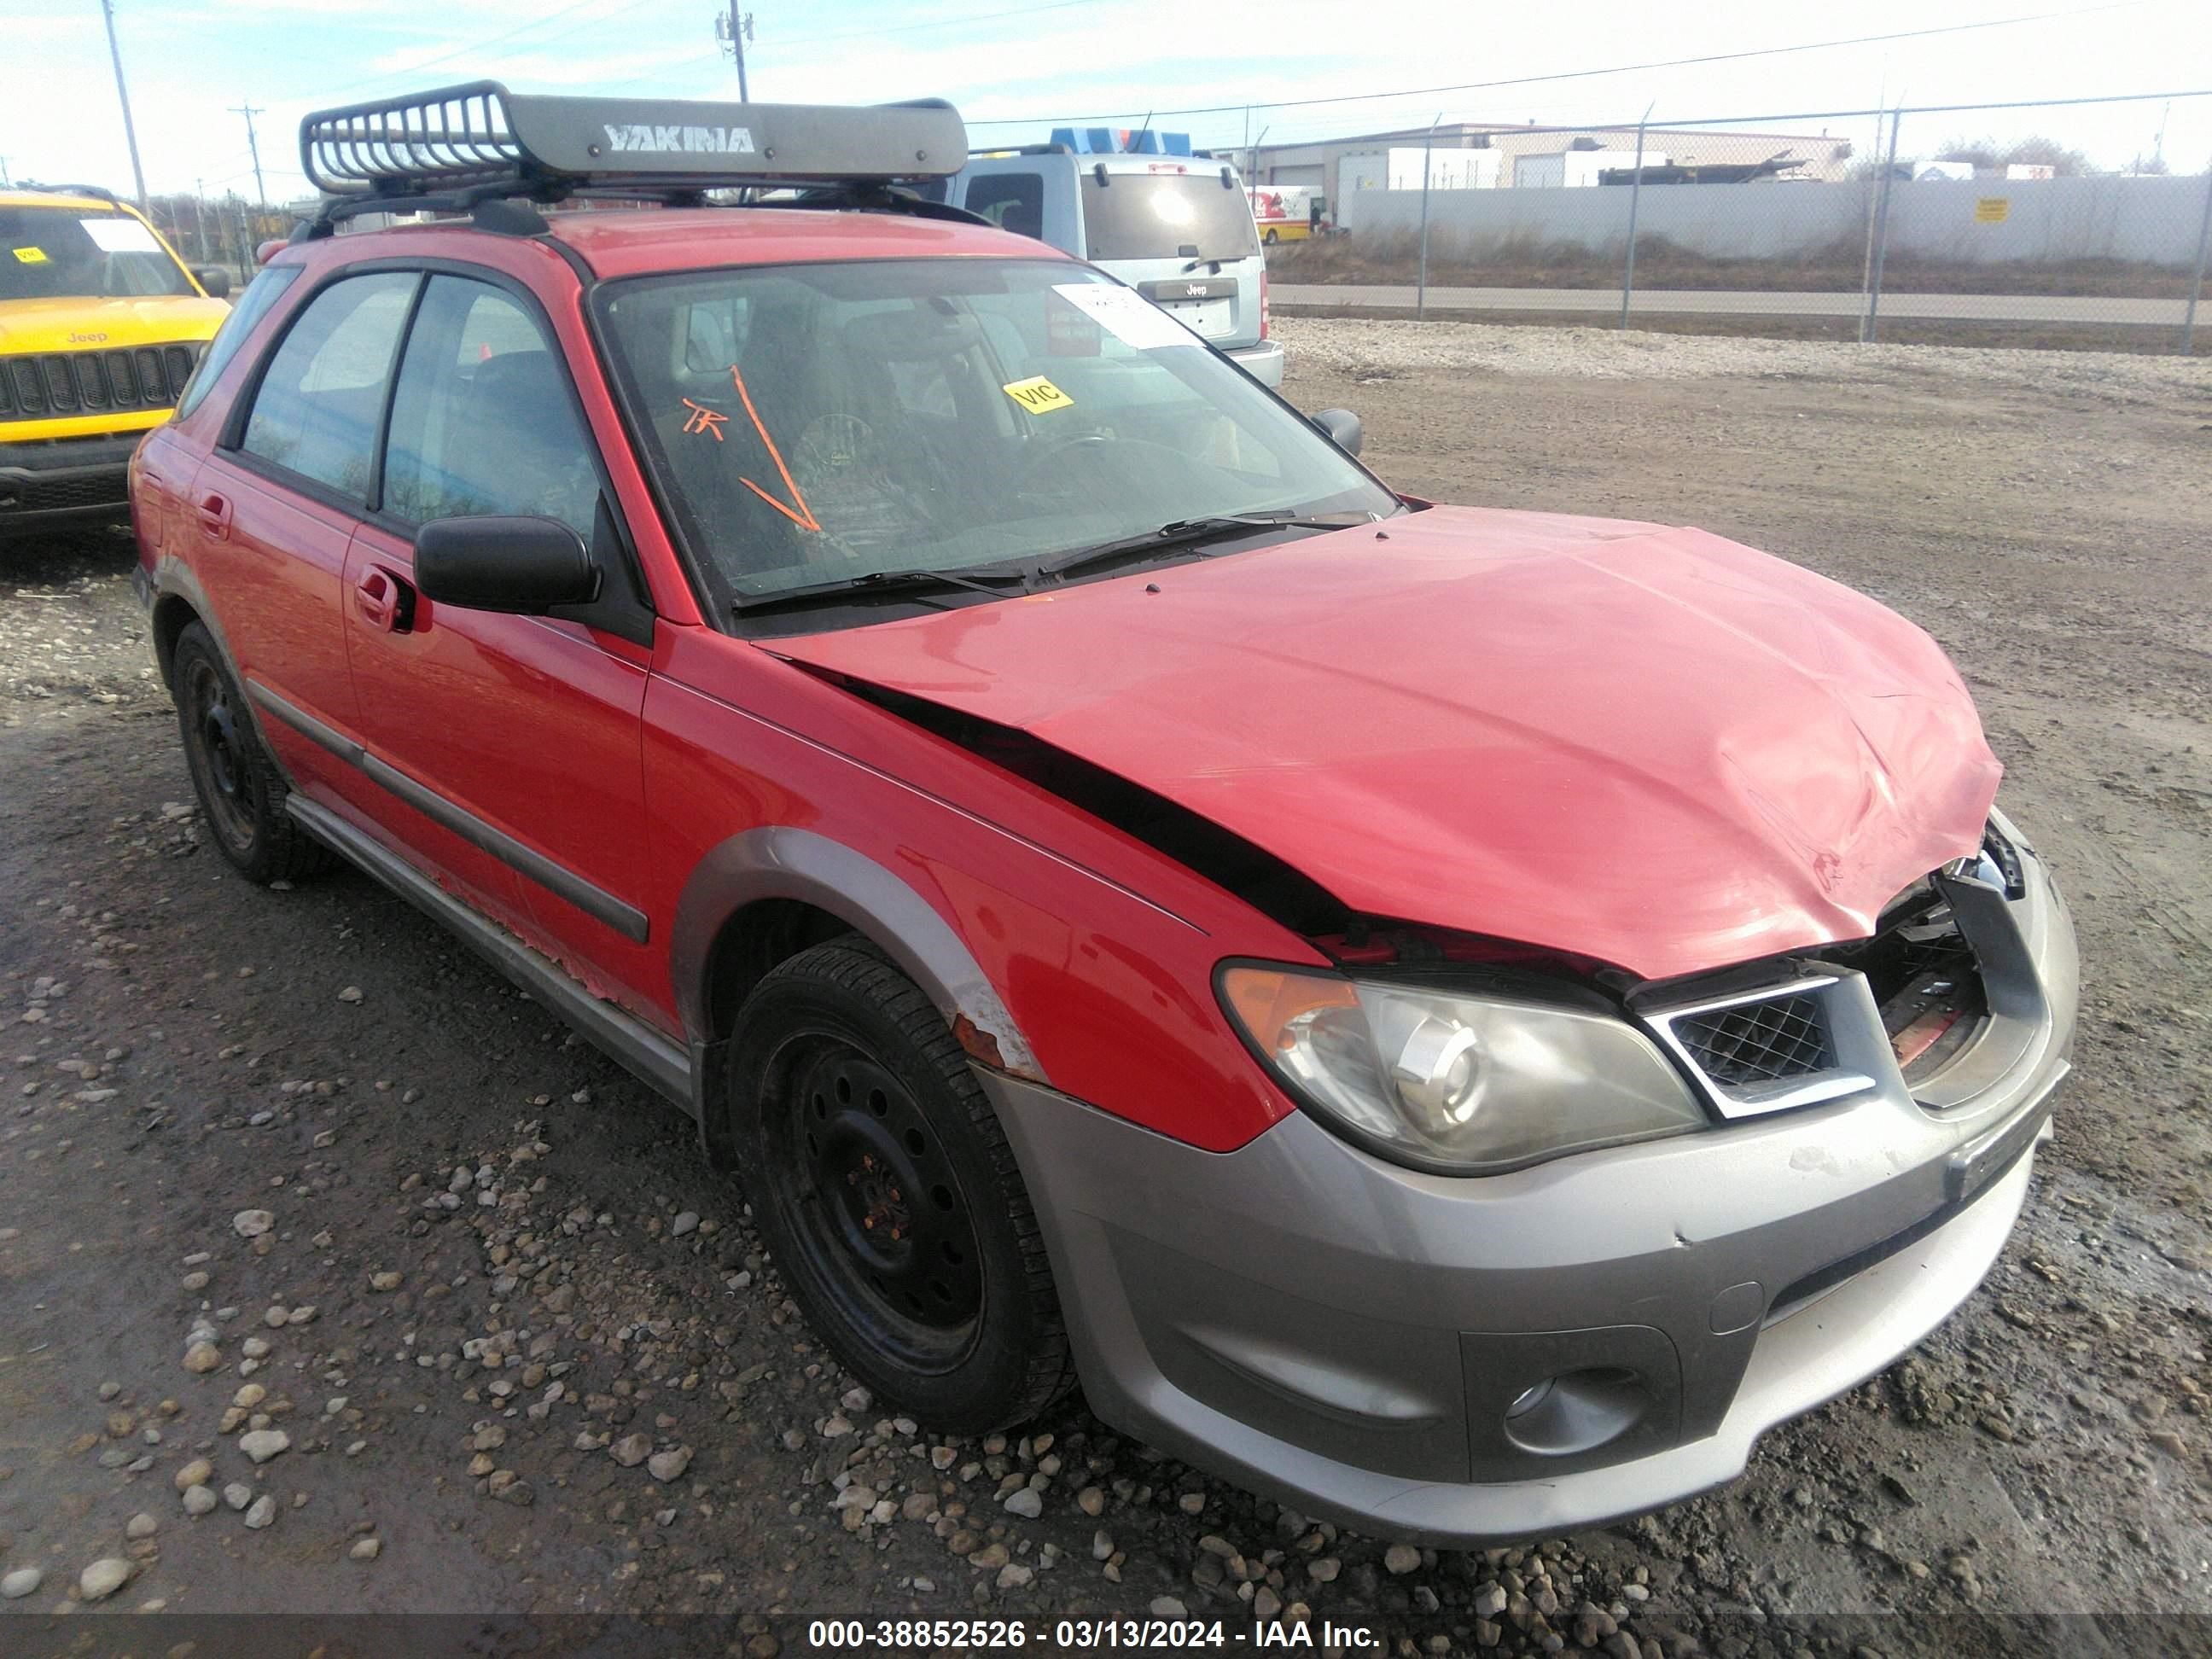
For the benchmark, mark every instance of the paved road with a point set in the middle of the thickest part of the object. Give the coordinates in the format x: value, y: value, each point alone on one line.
x: 1980, y: 307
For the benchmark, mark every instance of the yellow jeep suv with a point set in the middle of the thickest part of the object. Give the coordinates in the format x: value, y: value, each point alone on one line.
x: 100, y: 325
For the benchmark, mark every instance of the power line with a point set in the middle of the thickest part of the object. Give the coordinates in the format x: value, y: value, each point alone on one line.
x: 587, y: 23
x: 1567, y: 75
x: 696, y: 61
x: 937, y: 23
x: 474, y: 46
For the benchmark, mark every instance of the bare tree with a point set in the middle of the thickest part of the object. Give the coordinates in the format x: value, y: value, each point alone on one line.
x: 2034, y: 151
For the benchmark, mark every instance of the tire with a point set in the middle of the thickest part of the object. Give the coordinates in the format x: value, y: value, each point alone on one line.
x: 882, y: 1184
x: 240, y: 791
x: 1269, y: 239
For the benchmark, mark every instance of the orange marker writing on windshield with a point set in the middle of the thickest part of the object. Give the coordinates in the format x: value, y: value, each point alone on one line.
x: 703, y: 419
x: 805, y: 517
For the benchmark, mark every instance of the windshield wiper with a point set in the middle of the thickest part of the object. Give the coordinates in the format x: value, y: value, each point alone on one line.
x: 1189, y: 532
x: 874, y: 583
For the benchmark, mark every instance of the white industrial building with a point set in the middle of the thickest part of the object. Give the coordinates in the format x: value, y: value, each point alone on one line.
x: 1478, y: 156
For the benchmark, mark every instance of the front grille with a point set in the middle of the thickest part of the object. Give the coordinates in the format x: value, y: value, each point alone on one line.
x: 1771, y: 1048
x: 1757, y: 1042
x: 60, y: 383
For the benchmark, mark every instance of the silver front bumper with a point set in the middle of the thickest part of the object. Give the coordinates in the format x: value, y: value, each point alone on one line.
x: 1349, y: 1335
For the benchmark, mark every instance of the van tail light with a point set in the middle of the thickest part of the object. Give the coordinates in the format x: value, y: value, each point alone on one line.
x: 1263, y: 305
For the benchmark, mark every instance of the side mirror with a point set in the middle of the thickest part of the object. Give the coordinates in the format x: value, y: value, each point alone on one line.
x: 214, y: 279
x: 1340, y: 427
x: 524, y: 567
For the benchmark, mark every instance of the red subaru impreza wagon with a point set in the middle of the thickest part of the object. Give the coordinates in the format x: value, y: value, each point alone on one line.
x: 1460, y: 1018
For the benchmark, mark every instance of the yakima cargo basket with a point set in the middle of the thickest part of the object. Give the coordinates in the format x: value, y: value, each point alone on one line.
x: 480, y: 140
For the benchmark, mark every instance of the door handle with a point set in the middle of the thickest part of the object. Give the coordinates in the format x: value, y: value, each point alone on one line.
x: 384, y: 599
x: 214, y: 515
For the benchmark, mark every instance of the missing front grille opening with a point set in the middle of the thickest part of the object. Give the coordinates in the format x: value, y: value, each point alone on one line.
x: 1924, y: 976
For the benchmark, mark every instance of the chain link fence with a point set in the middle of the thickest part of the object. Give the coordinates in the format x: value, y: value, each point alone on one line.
x: 1898, y: 224
x: 218, y: 232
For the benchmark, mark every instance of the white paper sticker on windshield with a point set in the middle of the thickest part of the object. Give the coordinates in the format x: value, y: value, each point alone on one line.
x: 120, y: 234
x: 1125, y: 314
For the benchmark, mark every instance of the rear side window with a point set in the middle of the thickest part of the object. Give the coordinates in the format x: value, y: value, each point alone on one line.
x: 1011, y: 201
x: 322, y: 395
x: 1160, y: 216
x: 262, y: 292
x: 483, y: 421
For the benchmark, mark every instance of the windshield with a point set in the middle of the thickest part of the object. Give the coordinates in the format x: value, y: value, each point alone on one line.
x: 57, y: 252
x: 824, y: 423
x: 1157, y: 215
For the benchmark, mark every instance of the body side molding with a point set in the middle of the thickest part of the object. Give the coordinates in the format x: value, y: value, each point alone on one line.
x: 597, y: 902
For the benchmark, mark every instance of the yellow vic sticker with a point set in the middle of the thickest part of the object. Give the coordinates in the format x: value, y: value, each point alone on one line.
x: 1038, y: 395
x: 31, y: 256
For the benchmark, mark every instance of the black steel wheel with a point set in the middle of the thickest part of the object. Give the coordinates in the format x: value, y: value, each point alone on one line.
x: 240, y: 788
x: 884, y: 1187
x: 878, y: 1206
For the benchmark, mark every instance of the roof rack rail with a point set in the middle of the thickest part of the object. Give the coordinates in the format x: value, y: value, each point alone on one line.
x: 479, y: 139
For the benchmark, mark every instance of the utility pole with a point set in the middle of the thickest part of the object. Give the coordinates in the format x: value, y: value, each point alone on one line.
x: 199, y: 216
x: 253, y: 145
x: 4, y: 179
x: 122, y: 95
x: 737, y: 28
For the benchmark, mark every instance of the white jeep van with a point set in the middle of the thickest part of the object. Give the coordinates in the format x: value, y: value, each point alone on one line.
x: 1177, y: 228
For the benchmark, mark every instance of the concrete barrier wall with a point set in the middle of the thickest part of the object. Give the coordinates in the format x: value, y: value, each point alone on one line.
x: 2043, y: 221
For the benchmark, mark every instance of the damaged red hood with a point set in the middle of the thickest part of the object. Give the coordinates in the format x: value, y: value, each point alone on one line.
x: 1651, y: 746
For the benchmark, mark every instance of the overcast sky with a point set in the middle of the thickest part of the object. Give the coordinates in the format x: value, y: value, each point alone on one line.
x: 188, y: 61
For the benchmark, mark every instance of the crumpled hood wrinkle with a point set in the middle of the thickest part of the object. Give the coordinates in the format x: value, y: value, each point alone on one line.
x: 1650, y: 746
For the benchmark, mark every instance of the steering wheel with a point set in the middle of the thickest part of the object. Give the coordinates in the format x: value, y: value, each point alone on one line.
x: 1087, y: 450
x: 830, y: 444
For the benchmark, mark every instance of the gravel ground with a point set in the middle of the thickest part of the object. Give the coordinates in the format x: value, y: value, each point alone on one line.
x: 340, y: 1278
x: 1356, y: 349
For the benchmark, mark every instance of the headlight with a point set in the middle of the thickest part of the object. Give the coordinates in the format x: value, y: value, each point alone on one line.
x: 1455, y: 1083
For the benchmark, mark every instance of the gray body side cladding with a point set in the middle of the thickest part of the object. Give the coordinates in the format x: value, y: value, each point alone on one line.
x: 785, y: 863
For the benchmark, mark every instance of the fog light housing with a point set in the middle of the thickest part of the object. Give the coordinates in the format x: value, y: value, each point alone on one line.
x: 1528, y: 1399
x: 1577, y: 1411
